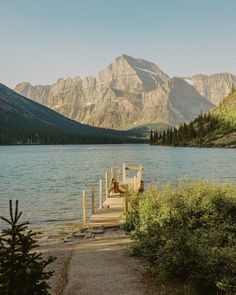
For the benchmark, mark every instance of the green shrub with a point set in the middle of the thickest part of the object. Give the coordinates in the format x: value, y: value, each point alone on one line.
x: 22, y: 271
x: 188, y: 231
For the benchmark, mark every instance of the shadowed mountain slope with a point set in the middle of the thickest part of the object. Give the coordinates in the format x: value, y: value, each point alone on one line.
x: 25, y: 121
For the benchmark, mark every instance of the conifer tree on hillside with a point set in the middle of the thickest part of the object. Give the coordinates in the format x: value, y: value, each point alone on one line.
x: 205, y: 129
x: 151, y: 136
x: 163, y: 138
x: 232, y: 89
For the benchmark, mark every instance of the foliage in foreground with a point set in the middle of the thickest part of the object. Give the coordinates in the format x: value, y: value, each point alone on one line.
x: 22, y: 271
x: 188, y: 231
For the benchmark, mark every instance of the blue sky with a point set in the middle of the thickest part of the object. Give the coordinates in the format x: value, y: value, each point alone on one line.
x: 43, y: 40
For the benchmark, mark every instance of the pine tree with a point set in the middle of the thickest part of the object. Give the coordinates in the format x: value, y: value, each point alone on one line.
x: 175, y: 137
x: 185, y: 131
x: 191, y: 131
x: 163, y: 138
x: 155, y: 138
x: 171, y: 136
x: 232, y: 88
x: 22, y: 271
x: 151, y: 137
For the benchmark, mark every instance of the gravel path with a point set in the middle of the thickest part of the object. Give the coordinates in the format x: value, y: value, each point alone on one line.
x: 98, y: 265
x: 101, y: 266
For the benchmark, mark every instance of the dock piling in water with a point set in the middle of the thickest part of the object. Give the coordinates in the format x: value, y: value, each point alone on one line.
x: 100, y: 193
x: 124, y: 173
x: 93, y: 197
x: 84, y: 207
x: 106, y: 177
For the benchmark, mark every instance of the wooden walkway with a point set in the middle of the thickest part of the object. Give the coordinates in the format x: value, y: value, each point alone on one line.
x: 98, y: 264
x: 111, y: 215
x: 113, y: 211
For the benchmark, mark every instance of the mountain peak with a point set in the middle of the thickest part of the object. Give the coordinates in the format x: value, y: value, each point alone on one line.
x: 130, y: 92
x: 139, y: 62
x: 150, y: 76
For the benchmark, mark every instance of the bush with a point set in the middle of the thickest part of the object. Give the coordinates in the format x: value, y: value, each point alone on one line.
x: 22, y: 271
x: 188, y: 231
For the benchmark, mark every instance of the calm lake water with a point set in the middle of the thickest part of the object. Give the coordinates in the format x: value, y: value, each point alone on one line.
x: 48, y: 180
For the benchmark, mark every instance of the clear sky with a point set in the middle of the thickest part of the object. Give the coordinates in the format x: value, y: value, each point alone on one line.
x: 43, y: 40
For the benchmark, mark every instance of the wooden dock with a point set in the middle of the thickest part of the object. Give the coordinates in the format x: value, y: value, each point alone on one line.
x: 113, y: 211
x: 111, y: 216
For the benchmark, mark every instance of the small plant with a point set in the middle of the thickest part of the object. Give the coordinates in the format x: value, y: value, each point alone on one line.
x: 22, y: 271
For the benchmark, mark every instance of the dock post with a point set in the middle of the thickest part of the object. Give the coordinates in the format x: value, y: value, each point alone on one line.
x: 111, y: 173
x: 126, y: 209
x: 100, y: 193
x: 106, y: 177
x: 84, y: 207
x: 139, y: 178
x: 113, y: 170
x: 140, y: 172
x: 92, y: 194
x: 124, y: 173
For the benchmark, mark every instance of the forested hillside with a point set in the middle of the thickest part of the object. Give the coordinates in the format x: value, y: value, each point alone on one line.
x: 216, y: 128
x: 23, y: 121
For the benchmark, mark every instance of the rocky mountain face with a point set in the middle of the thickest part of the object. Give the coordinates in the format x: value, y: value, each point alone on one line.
x: 173, y: 103
x: 129, y: 93
x: 214, y: 87
x: 22, y: 118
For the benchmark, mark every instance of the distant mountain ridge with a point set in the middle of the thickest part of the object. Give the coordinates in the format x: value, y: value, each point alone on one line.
x: 129, y: 93
x: 213, y: 87
x: 25, y: 121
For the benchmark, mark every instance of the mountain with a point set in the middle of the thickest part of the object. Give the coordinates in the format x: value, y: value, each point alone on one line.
x: 129, y: 94
x: 217, y: 128
x: 225, y: 114
x: 25, y: 121
x: 214, y: 87
x: 113, y: 99
x: 174, y: 102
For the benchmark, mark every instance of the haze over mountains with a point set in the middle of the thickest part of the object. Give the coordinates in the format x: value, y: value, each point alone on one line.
x: 131, y: 93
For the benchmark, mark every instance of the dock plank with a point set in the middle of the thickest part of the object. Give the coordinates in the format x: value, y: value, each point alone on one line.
x: 111, y: 216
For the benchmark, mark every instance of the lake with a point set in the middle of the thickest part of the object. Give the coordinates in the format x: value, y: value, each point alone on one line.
x: 48, y: 180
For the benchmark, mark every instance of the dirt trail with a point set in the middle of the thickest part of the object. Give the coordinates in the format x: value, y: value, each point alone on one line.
x: 95, y: 264
x: 101, y: 266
